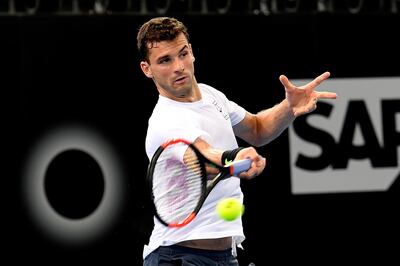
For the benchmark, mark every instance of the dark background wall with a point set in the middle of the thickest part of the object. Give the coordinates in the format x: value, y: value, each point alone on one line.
x: 58, y: 70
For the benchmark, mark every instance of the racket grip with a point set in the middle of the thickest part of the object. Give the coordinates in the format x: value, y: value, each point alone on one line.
x: 239, y: 166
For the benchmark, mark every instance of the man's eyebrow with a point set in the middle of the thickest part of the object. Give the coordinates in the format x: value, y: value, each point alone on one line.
x: 166, y: 56
x: 183, y: 48
x: 162, y: 57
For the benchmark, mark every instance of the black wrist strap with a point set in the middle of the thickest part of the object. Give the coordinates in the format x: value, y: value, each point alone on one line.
x: 230, y: 155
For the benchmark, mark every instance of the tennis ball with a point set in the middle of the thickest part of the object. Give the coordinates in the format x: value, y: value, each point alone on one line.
x: 229, y: 209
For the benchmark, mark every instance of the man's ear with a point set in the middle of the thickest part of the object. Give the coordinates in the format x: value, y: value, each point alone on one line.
x: 146, y: 69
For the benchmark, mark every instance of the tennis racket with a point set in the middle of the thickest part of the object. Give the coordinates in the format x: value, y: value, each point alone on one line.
x: 179, y: 188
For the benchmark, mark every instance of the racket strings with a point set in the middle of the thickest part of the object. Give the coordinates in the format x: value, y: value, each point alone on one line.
x: 177, y: 185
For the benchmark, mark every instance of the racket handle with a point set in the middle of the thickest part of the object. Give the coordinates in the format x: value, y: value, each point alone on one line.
x: 237, y: 167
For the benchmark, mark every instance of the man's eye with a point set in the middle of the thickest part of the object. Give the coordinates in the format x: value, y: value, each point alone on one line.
x: 163, y: 61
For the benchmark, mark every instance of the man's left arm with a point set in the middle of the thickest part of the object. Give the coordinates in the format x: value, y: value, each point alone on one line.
x: 263, y: 127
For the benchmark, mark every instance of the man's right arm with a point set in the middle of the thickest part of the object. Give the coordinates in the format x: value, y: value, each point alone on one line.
x: 215, y: 156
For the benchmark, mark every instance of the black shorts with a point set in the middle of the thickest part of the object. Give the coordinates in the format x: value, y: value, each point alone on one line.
x: 184, y: 256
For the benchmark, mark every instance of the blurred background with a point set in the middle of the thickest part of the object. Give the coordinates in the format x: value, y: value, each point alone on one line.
x: 76, y: 106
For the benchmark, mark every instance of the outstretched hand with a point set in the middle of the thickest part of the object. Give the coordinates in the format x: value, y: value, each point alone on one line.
x: 304, y: 99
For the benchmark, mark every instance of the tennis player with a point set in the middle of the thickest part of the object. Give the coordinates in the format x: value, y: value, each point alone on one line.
x: 203, y: 115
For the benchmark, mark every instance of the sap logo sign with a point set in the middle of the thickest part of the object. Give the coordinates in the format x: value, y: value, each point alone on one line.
x: 349, y: 144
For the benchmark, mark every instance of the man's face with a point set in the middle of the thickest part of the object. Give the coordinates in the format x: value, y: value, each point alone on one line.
x: 171, y: 67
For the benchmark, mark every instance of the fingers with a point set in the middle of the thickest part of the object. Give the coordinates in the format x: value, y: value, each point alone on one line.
x: 318, y: 80
x: 326, y: 95
x: 304, y: 99
x: 286, y: 83
x: 308, y: 108
x: 322, y: 77
x: 284, y: 80
x: 257, y: 167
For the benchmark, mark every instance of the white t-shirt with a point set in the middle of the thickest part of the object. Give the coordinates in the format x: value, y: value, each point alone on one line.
x: 210, y: 118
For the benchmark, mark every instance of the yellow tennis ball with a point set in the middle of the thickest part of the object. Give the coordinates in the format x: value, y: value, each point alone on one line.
x: 229, y: 209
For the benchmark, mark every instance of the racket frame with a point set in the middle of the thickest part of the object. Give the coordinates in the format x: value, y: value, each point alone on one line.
x: 207, y: 185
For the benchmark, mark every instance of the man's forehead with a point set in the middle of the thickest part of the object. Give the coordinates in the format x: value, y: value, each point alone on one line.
x: 166, y: 46
x: 181, y: 38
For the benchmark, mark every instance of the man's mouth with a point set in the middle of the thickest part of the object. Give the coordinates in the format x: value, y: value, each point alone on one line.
x: 180, y: 80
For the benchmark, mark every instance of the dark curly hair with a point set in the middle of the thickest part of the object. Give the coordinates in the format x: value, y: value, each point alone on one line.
x: 157, y: 30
